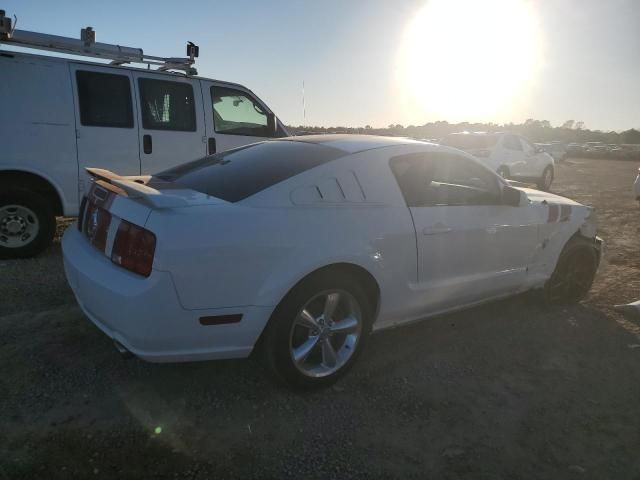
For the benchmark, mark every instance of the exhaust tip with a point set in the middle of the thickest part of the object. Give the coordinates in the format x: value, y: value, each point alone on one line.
x: 122, y: 350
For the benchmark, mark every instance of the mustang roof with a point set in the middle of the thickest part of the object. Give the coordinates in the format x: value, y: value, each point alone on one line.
x: 352, y: 143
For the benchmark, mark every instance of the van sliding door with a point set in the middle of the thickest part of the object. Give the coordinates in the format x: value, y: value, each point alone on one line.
x: 171, y: 121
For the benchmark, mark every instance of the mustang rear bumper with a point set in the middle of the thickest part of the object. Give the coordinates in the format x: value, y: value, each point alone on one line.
x: 145, y: 316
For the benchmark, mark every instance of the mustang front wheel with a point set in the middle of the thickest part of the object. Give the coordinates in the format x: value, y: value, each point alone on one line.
x: 574, y: 273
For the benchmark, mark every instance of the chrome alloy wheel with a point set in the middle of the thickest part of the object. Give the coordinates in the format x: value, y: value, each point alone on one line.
x: 18, y: 226
x: 325, y: 333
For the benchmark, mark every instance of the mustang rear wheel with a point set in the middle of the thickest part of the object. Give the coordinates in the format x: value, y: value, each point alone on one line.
x: 317, y: 331
x: 574, y: 273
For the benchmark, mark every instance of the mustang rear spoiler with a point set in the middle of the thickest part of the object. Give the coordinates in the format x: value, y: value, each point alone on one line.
x: 134, y: 188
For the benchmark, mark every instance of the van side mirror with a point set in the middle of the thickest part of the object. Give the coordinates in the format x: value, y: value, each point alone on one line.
x: 272, y: 124
x: 512, y: 196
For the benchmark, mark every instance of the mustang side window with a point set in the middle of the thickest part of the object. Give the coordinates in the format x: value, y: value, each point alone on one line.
x: 237, y: 113
x: 460, y: 181
x: 440, y: 179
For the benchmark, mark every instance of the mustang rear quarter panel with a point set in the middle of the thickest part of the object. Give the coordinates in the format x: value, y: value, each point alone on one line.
x: 253, y: 252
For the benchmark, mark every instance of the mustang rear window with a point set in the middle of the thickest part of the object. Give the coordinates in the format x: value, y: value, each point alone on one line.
x: 239, y: 173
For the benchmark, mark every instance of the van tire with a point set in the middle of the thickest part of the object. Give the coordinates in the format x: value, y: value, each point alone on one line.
x: 31, y: 210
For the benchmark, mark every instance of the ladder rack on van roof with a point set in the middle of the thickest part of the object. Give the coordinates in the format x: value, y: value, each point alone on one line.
x: 88, y: 47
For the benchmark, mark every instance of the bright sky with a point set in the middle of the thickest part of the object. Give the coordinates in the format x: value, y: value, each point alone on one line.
x: 379, y: 62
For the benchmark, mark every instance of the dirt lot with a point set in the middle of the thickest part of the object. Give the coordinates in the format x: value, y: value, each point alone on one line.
x: 509, y: 390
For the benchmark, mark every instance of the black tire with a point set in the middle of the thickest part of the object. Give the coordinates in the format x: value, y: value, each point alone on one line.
x: 503, y: 172
x: 276, y: 341
x: 575, y: 271
x: 44, y: 215
x: 545, y: 181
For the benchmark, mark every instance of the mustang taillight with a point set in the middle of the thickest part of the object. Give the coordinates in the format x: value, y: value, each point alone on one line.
x: 134, y: 248
x: 96, y: 225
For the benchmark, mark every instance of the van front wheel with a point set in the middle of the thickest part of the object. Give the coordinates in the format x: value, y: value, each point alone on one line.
x: 27, y: 223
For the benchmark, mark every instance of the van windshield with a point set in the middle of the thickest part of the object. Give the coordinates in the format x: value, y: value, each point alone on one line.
x: 236, y: 174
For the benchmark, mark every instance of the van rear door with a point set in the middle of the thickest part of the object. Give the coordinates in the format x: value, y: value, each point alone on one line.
x: 106, y: 125
x: 171, y: 120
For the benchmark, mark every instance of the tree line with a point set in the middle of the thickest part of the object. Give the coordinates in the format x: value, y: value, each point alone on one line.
x: 539, y: 131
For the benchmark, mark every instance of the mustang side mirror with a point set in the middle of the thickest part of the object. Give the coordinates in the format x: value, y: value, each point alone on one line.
x: 511, y: 196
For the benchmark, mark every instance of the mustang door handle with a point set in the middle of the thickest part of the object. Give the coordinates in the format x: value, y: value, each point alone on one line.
x: 436, y: 229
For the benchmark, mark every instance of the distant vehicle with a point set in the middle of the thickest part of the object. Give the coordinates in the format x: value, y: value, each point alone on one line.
x: 303, y: 246
x: 596, y: 149
x: 60, y: 115
x: 575, y: 149
x: 636, y: 187
x: 510, y: 155
x: 630, y: 310
x: 629, y: 152
x: 557, y: 150
x: 615, y: 151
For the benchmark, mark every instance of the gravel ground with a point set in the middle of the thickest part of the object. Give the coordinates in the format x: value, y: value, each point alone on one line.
x: 508, y: 390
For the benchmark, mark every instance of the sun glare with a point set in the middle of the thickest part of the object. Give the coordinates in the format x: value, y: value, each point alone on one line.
x: 467, y: 59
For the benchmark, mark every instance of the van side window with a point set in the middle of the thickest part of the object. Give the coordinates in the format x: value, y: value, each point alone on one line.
x: 236, y: 113
x: 167, y: 105
x: 104, y: 100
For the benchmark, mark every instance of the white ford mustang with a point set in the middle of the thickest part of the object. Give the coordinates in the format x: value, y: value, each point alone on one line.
x: 305, y: 245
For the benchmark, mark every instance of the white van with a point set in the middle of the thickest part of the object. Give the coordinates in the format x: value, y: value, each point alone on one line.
x: 59, y: 115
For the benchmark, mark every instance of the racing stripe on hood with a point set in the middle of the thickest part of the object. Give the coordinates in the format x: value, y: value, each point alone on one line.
x: 558, y: 213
